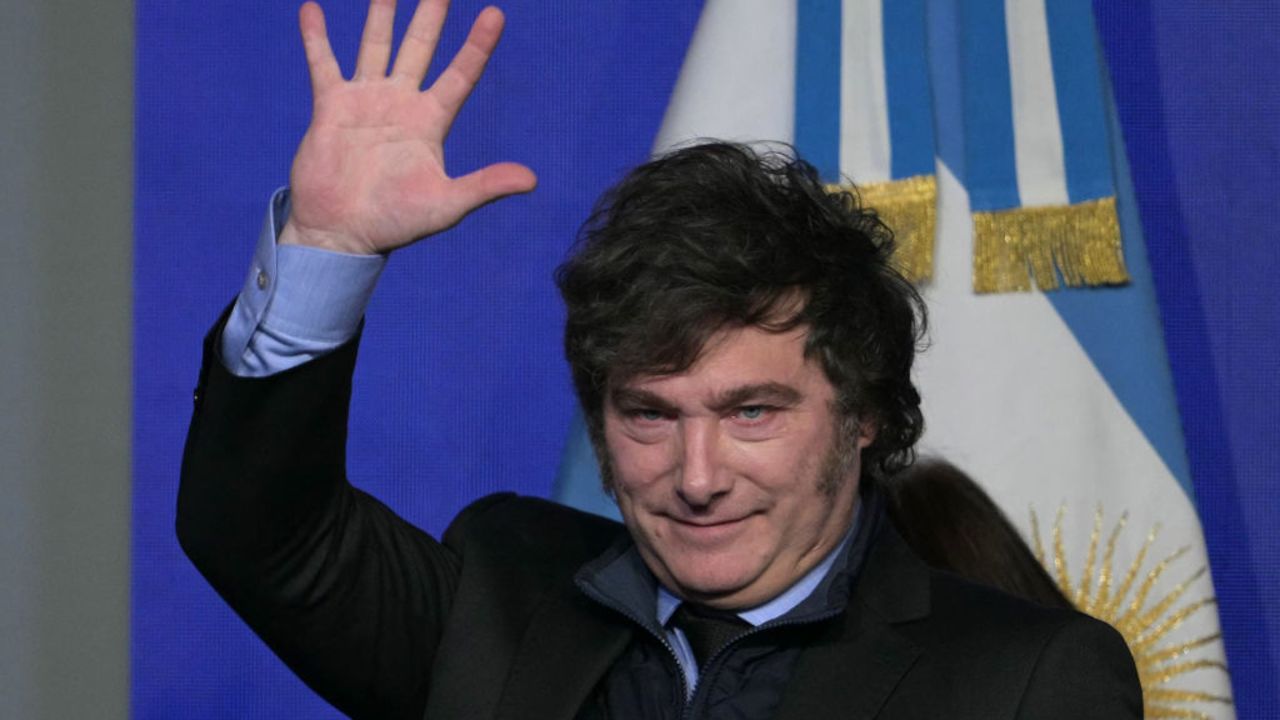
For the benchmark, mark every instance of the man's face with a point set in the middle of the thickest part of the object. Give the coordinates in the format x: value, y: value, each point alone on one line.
x: 730, y: 476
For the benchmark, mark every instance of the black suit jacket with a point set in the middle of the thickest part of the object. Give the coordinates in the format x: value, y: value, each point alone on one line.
x: 384, y: 621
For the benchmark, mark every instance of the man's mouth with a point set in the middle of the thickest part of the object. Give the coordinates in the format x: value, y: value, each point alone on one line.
x: 709, y: 530
x: 710, y: 523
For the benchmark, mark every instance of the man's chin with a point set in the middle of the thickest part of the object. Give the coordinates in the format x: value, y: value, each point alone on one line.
x: 717, y: 587
x: 713, y: 575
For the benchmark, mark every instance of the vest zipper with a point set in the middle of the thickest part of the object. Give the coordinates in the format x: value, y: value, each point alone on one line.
x: 705, y: 673
x: 671, y: 652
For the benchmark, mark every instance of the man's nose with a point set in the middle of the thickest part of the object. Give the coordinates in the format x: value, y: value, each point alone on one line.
x: 701, y: 478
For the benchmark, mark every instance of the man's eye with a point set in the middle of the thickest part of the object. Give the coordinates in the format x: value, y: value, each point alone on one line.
x: 647, y: 415
x: 752, y: 412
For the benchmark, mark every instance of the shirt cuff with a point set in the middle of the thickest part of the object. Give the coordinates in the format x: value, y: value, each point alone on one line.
x: 297, y: 302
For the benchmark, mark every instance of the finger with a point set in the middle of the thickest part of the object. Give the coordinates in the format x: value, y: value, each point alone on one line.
x: 490, y: 183
x: 375, y: 43
x: 456, y: 82
x: 315, y: 43
x: 420, y: 41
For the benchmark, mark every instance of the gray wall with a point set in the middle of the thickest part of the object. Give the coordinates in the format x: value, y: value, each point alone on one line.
x: 66, y: 186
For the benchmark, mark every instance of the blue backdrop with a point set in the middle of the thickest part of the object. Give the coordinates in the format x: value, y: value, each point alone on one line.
x: 461, y: 386
x: 1198, y: 94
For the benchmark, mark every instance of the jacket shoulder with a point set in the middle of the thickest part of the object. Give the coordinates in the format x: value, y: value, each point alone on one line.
x: 517, y: 556
x: 983, y: 610
x: 504, y: 528
x: 1035, y: 661
x: 979, y: 652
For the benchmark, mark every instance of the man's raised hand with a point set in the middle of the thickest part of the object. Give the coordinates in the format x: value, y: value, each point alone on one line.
x: 369, y: 175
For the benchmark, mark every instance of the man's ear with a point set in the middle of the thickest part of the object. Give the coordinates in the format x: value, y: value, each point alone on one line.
x: 866, y: 433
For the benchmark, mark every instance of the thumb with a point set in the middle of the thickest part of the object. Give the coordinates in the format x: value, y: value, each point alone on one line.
x: 491, y: 183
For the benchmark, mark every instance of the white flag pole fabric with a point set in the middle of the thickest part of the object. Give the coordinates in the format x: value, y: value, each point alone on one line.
x: 1059, y: 403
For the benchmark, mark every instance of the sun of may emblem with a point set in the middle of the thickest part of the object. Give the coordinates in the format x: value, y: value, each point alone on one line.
x: 1145, y: 618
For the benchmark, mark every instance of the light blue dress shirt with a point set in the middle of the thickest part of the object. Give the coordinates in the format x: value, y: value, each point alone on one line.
x: 297, y: 303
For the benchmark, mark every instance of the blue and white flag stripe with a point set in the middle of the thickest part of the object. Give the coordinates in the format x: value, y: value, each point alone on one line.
x: 991, y: 173
x: 1037, y: 133
x: 817, y: 99
x: 1114, y: 327
x: 863, y: 103
x: 907, y: 93
x: 864, y: 110
x: 1078, y: 81
x: 1036, y: 125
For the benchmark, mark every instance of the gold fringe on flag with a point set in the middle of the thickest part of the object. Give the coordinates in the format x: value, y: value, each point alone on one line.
x: 1080, y: 243
x: 909, y: 208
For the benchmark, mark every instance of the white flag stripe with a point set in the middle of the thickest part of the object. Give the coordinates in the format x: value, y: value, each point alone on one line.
x: 864, y: 107
x: 1011, y: 397
x: 1037, y: 135
x: 738, y: 77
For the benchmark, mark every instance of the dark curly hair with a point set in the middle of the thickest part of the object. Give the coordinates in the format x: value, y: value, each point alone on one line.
x: 719, y: 235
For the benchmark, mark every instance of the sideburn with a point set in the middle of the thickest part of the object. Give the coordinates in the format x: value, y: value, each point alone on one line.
x: 842, y: 456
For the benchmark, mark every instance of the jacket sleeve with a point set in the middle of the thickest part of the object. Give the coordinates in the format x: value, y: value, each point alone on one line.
x: 351, y: 597
x: 1085, y: 670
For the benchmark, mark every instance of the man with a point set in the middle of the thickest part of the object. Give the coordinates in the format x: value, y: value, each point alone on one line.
x: 742, y: 352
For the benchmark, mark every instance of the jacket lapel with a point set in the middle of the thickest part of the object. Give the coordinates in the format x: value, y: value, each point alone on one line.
x: 570, y: 643
x: 853, y: 668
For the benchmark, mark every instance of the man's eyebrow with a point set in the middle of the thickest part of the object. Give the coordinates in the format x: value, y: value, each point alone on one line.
x: 767, y: 393
x: 625, y: 397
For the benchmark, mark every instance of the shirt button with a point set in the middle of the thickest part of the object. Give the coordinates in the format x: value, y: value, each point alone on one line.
x: 262, y: 280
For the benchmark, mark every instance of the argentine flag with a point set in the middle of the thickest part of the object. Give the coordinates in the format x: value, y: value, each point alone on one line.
x: 973, y: 122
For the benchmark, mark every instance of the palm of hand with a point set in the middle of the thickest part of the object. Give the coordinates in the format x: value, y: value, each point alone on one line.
x: 365, y: 169
x: 369, y: 175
